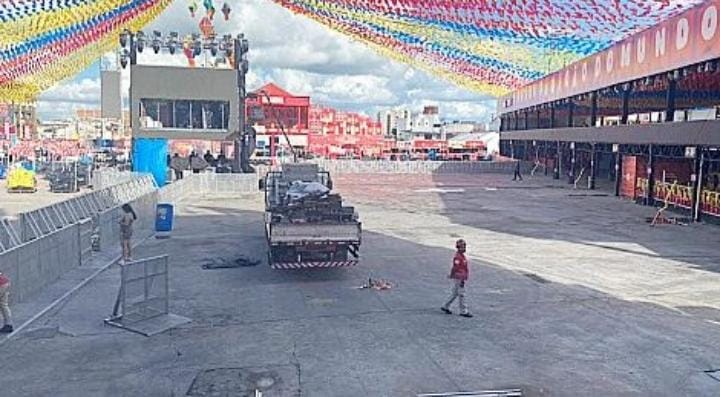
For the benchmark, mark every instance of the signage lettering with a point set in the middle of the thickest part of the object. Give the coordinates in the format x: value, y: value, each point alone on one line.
x: 686, y: 39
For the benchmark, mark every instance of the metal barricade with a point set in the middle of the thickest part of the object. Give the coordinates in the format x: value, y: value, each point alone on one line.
x: 143, y: 300
x: 106, y: 177
x: 209, y: 184
x: 144, y: 289
x: 9, y: 237
x: 37, y: 223
x: 423, y: 167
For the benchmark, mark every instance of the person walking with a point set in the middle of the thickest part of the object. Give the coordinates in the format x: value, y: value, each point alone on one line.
x: 127, y: 219
x: 516, y: 174
x: 5, y: 304
x: 197, y: 163
x: 459, y: 274
x: 178, y: 164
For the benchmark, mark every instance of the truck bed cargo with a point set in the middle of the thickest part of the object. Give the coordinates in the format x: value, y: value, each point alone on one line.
x: 305, y: 224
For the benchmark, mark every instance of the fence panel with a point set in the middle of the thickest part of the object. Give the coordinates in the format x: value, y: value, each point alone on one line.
x: 144, y: 289
x: 211, y: 185
x: 33, y: 265
x: 42, y: 244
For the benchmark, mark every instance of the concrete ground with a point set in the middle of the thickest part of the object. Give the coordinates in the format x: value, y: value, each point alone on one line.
x: 573, y: 295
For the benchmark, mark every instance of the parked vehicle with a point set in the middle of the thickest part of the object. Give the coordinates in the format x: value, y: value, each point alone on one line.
x: 307, y: 226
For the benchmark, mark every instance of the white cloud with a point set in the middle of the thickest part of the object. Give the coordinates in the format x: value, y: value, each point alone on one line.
x: 305, y: 58
x: 61, y: 101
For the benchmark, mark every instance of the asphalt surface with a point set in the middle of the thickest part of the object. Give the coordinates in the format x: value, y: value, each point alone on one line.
x: 572, y: 296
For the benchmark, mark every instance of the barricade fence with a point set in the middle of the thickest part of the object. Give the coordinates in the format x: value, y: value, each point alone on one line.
x: 233, y: 185
x: 39, y: 246
x: 681, y: 196
x: 37, y: 223
x: 33, y: 265
x: 106, y: 177
x: 144, y: 291
x: 210, y: 185
x: 421, y: 167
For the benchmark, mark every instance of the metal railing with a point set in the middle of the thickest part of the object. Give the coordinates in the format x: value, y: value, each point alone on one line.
x: 212, y: 185
x: 9, y: 236
x: 43, y: 221
x: 420, y: 167
x: 232, y: 185
x: 106, y: 177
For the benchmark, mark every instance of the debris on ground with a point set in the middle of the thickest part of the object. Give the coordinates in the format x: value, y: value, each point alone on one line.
x: 664, y: 220
x: 661, y: 219
x: 377, y: 284
x: 223, y: 263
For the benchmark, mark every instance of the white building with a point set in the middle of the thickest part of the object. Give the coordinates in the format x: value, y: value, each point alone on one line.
x: 394, y: 121
x: 427, y: 125
x: 455, y: 128
x: 403, y: 125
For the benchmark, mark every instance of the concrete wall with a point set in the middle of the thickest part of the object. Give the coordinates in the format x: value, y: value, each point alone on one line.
x: 33, y: 265
x: 166, y: 82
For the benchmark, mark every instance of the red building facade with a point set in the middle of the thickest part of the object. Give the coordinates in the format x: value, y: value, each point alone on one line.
x: 338, y: 133
x: 270, y: 105
x: 317, y: 130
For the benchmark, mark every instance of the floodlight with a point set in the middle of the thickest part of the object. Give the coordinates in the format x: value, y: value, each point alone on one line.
x: 124, y: 38
x: 140, y: 39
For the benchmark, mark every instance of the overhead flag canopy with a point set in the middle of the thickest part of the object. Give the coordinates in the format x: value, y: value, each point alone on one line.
x: 45, y: 41
x: 490, y: 46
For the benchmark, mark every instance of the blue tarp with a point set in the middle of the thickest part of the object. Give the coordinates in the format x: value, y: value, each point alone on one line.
x: 150, y: 155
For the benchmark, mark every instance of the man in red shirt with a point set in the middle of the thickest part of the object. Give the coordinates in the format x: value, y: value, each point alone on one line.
x: 459, y: 274
x: 4, y: 304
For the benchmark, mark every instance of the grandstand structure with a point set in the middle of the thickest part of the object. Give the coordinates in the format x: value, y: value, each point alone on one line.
x: 640, y: 117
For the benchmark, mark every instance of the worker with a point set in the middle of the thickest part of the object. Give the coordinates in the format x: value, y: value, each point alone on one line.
x: 459, y: 274
x: 210, y: 159
x: 516, y: 174
x: 178, y: 164
x: 197, y: 163
x: 5, y: 304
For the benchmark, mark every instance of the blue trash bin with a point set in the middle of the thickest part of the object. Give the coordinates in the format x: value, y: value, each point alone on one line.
x: 164, y: 218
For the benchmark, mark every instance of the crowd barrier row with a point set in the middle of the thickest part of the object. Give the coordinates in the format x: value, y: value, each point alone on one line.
x: 54, y: 241
x: 681, y: 196
x: 420, y: 167
x: 106, y: 177
x: 231, y: 185
x: 213, y: 185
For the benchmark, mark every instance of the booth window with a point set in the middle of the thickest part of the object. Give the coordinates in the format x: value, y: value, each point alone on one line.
x: 184, y: 114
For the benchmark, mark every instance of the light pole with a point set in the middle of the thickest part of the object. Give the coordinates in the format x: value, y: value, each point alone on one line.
x: 240, y: 62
